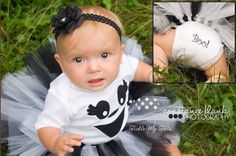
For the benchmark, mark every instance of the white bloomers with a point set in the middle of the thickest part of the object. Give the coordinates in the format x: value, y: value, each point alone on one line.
x: 197, y: 45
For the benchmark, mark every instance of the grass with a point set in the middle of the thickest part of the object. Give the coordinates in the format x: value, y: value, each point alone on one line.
x: 208, y: 137
x: 175, y: 72
x: 25, y: 25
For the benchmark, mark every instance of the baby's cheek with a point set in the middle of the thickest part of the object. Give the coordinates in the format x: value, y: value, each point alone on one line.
x: 156, y: 38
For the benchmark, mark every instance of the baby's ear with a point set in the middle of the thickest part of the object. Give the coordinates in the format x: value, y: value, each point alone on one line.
x: 122, y: 48
x: 58, y: 59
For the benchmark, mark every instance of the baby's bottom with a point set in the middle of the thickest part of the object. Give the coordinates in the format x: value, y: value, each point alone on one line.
x: 219, y: 71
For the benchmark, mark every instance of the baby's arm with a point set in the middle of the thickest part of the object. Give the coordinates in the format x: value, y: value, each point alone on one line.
x: 143, y: 73
x: 173, y: 150
x: 218, y: 72
x: 58, y: 143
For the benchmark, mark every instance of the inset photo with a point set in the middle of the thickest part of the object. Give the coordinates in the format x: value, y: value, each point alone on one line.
x: 194, y: 42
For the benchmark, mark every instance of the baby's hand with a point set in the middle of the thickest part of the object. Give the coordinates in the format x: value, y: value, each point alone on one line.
x: 64, y: 144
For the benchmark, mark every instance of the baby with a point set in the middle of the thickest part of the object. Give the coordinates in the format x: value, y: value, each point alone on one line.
x: 87, y: 103
x: 194, y: 44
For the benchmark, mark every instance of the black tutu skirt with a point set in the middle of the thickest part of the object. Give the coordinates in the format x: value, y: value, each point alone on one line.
x: 149, y: 127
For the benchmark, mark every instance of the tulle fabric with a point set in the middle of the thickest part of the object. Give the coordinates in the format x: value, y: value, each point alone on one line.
x: 227, y: 34
x: 22, y: 100
x: 186, y: 8
x: 211, y: 14
x: 133, y: 145
x: 215, y: 11
x: 173, y: 8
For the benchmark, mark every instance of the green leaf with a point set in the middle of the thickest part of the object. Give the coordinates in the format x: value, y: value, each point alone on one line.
x: 221, y: 137
x: 228, y: 148
x: 188, y: 144
x: 228, y: 105
x: 203, y: 89
x: 20, y: 38
x: 107, y: 3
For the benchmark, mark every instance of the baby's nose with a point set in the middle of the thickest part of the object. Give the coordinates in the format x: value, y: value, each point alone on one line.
x: 93, y: 66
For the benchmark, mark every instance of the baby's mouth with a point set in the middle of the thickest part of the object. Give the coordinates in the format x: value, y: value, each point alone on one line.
x: 96, y: 82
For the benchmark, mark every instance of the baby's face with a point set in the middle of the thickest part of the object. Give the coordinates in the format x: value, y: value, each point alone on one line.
x: 90, y: 55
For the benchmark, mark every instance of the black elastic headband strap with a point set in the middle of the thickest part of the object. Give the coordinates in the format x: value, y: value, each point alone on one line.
x: 102, y: 19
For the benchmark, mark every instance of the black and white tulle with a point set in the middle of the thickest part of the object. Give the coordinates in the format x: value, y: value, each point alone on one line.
x: 23, y: 94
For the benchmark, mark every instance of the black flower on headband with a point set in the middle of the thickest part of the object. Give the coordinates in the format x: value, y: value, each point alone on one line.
x: 67, y: 20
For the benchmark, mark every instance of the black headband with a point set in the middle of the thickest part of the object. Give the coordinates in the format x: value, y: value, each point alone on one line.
x: 69, y: 18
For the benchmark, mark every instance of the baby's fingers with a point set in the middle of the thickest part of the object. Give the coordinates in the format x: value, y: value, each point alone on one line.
x: 68, y: 149
x: 65, y: 149
x: 61, y: 153
x: 71, y: 142
x: 76, y: 137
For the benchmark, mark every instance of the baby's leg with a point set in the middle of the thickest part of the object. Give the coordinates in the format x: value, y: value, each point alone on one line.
x: 173, y: 150
x: 160, y: 57
x: 218, y: 72
x: 165, y: 41
x: 165, y: 150
x: 160, y: 60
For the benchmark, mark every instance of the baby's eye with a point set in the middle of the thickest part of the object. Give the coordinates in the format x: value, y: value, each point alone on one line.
x: 104, y: 55
x: 78, y: 59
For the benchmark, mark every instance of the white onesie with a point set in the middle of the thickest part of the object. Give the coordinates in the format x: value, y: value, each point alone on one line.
x: 98, y: 116
x: 198, y: 45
